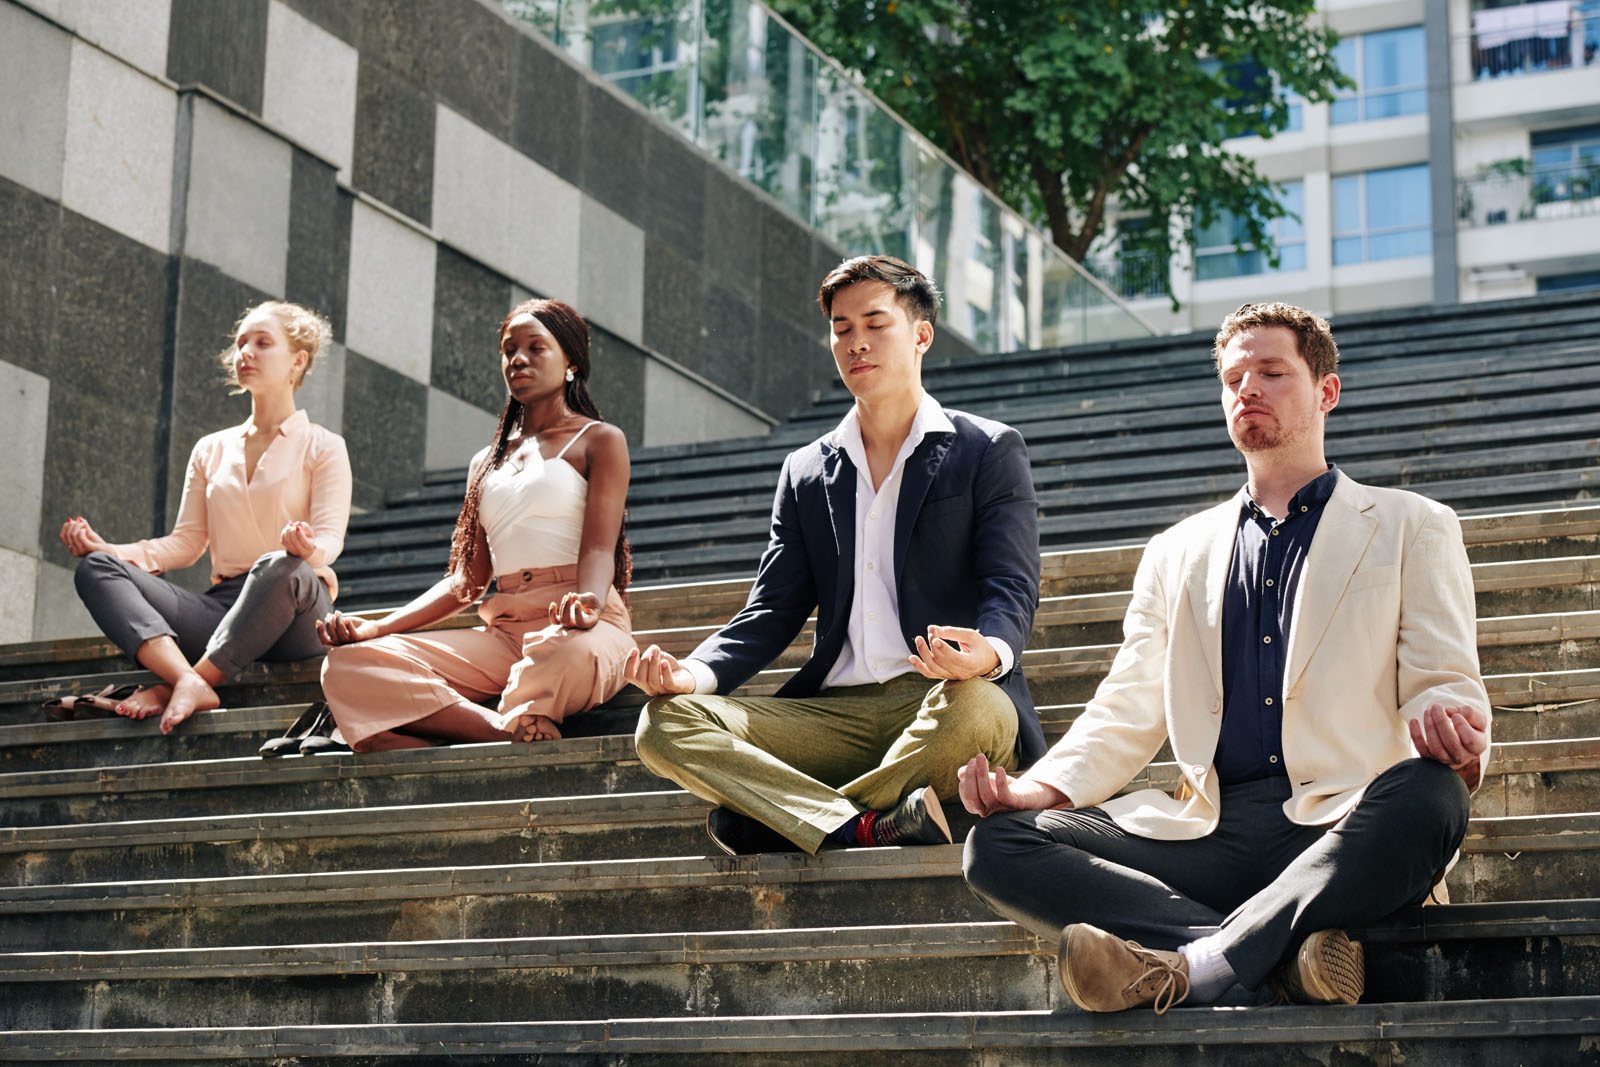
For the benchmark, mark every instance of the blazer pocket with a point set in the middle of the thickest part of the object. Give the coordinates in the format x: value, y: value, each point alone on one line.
x: 1373, y: 578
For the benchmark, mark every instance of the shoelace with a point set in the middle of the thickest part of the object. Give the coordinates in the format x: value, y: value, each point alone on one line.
x: 1173, y: 987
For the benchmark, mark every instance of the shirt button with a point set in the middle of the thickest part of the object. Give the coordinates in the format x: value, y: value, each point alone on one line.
x: 1272, y: 759
x: 872, y: 566
x: 1303, y: 508
x: 1198, y: 770
x: 872, y: 515
x: 1274, y: 533
x: 1267, y: 640
x: 872, y: 616
x: 1269, y: 702
x: 1269, y: 583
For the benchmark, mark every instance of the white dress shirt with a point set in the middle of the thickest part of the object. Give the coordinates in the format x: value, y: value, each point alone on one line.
x: 875, y: 649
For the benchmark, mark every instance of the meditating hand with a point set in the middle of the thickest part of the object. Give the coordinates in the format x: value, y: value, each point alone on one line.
x: 989, y: 790
x: 297, y: 540
x: 657, y: 672
x: 576, y: 611
x: 80, y: 538
x: 955, y: 653
x: 341, y: 629
x: 1454, y: 736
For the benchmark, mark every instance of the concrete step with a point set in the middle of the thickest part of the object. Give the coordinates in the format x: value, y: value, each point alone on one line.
x: 862, y: 969
x: 1069, y: 581
x: 1543, y: 642
x: 1543, y: 1030
x: 1513, y: 858
x: 487, y: 821
x: 1482, y: 434
x: 1501, y: 534
x: 1530, y: 706
x: 1065, y: 405
x: 1089, y: 516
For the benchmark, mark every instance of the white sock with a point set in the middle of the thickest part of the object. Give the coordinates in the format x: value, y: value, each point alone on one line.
x: 1209, y: 973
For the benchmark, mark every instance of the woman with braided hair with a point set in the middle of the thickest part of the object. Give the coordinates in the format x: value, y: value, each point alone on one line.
x: 543, y: 518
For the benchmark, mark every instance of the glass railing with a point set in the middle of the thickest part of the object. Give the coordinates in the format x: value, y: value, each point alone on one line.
x: 1546, y: 193
x: 1552, y: 35
x: 1132, y: 275
x: 746, y: 88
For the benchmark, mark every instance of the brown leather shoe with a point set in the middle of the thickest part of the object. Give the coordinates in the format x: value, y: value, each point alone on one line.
x: 1329, y: 969
x: 1102, y: 972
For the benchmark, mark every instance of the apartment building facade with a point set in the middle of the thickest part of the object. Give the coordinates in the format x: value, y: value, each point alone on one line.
x: 1464, y: 166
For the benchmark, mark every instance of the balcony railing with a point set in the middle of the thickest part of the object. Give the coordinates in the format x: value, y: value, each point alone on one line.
x: 1553, y: 35
x: 1132, y: 275
x: 1547, y: 193
x: 748, y: 90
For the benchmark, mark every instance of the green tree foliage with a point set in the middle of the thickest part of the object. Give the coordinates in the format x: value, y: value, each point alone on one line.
x: 1064, y: 108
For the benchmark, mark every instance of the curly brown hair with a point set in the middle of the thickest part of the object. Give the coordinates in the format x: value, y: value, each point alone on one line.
x: 1313, y: 335
x: 572, y: 334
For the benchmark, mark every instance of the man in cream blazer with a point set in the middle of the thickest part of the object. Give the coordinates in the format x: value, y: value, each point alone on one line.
x: 1308, y: 651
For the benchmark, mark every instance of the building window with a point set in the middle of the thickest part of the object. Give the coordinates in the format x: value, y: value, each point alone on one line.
x: 1561, y: 283
x: 1566, y: 164
x: 1382, y: 214
x: 1390, y: 69
x: 1250, y: 87
x: 1217, y: 254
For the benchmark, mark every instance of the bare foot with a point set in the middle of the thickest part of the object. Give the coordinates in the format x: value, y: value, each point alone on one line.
x: 189, y: 695
x: 531, y: 727
x: 145, y: 702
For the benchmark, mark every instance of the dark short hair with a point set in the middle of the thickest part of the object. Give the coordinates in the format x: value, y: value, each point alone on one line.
x: 1312, y: 334
x: 912, y: 289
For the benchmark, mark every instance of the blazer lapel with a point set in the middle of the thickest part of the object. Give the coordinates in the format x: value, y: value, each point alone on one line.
x: 839, y: 486
x: 1341, y: 540
x: 920, y: 468
x: 1208, y: 580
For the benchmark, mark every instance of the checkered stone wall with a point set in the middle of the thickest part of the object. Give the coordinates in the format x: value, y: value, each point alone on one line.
x: 411, y: 170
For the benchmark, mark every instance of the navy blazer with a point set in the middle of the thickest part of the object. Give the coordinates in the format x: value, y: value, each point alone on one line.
x: 966, y: 553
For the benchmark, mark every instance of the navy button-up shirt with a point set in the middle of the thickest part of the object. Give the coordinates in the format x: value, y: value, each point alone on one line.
x: 1257, y: 606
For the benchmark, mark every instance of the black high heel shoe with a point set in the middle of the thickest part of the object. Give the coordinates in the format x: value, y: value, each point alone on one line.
x: 313, y: 721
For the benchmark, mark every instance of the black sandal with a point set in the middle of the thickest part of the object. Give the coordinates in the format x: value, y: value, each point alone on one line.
x: 314, y: 721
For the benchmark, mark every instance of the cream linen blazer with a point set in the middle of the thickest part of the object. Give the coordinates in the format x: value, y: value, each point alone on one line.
x: 1384, y: 625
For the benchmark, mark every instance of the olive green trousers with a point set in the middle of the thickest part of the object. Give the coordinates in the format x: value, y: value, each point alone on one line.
x: 806, y: 766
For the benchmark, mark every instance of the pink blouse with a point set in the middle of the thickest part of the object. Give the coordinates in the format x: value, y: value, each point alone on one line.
x: 304, y: 475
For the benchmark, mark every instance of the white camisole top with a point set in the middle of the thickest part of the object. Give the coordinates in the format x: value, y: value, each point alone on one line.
x: 531, y: 508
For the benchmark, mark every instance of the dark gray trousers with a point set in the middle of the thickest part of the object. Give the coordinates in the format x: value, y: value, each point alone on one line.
x: 1265, y: 882
x: 268, y: 613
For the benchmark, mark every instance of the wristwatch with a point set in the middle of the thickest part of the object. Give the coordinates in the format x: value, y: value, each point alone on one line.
x: 999, y: 669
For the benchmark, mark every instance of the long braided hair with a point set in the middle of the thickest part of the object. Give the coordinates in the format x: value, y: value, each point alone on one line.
x: 572, y: 334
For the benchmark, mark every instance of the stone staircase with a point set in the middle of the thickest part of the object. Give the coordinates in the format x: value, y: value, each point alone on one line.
x: 1481, y: 406
x: 179, y: 900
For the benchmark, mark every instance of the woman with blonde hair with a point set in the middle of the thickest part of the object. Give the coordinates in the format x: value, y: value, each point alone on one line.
x: 270, y: 498
x: 543, y: 517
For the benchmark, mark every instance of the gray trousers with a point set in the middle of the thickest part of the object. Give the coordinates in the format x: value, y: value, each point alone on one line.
x: 1266, y: 883
x: 270, y: 612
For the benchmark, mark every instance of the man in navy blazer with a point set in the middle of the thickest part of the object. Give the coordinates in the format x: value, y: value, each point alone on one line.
x: 912, y: 532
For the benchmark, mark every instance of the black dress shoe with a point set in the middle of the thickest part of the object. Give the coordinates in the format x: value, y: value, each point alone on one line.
x: 740, y: 835
x: 916, y: 820
x: 313, y: 721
